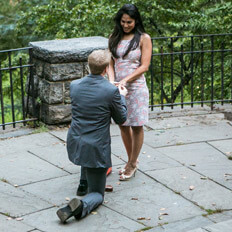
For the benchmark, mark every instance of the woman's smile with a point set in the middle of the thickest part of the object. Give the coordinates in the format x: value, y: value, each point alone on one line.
x: 127, y: 23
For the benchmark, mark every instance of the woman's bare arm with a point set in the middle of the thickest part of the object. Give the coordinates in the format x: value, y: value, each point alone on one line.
x: 111, y: 74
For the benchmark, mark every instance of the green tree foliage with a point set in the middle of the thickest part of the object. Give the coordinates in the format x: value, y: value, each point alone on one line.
x: 29, y: 20
x: 71, y: 18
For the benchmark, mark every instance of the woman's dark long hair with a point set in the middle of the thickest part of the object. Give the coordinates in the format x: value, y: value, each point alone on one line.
x: 118, y: 32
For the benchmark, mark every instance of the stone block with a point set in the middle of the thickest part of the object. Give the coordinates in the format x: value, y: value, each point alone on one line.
x: 67, y: 50
x: 65, y: 71
x: 29, y: 91
x: 38, y: 68
x: 67, y: 98
x: 50, y: 92
x: 55, y: 114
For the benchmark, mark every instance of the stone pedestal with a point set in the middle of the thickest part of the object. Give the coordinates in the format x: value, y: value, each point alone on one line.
x: 56, y: 64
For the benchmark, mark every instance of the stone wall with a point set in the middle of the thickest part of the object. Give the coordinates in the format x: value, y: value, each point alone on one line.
x: 56, y: 64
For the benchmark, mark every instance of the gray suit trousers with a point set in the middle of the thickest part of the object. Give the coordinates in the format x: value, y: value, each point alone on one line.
x: 96, y: 178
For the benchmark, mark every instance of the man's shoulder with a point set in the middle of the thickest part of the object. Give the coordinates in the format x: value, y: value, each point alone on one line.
x: 78, y: 81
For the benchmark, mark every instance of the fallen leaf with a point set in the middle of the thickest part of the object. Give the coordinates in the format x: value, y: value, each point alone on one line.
x: 105, y: 202
x: 144, y: 152
x: 118, y: 183
x: 192, y: 164
x: 148, y: 156
x: 141, y: 218
x: 160, y: 218
x: 163, y: 213
x: 9, y: 218
x: 191, y: 187
x: 67, y: 199
x: 228, y: 153
x: 204, y: 178
x: 16, y: 185
x: 19, y: 219
x: 134, y: 198
x: 162, y: 209
x: 148, y: 218
x: 183, y: 177
x: 94, y: 212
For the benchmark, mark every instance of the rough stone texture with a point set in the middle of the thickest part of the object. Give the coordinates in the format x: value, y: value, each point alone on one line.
x: 55, y: 114
x: 67, y: 50
x: 50, y: 92
x: 66, y: 71
x: 36, y: 84
x: 67, y: 99
x: 56, y: 64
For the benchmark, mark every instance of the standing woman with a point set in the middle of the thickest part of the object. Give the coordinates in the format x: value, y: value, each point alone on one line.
x: 131, y: 49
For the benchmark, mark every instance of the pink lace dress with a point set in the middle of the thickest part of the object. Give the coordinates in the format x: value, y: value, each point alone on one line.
x: 137, y: 99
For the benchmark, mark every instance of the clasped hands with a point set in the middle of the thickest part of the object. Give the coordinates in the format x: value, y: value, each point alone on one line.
x: 121, y: 87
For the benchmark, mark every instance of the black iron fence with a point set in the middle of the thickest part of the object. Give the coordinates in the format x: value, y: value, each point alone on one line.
x: 184, y: 70
x: 15, y: 66
x: 191, y: 70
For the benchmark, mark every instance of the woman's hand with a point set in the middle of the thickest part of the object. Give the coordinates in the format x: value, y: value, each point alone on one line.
x: 123, y: 82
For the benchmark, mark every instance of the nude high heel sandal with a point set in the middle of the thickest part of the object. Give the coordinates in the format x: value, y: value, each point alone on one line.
x: 124, y: 177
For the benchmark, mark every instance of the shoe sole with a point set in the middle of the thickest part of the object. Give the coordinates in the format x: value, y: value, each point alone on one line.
x: 74, y: 204
x: 64, y: 216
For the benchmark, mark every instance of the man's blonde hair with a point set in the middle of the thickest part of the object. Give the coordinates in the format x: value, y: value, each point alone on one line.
x: 98, y: 60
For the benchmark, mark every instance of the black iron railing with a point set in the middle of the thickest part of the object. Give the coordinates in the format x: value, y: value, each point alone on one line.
x: 15, y: 68
x: 191, y: 70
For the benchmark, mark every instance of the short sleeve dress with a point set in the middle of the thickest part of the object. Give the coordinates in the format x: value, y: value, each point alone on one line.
x: 137, y: 99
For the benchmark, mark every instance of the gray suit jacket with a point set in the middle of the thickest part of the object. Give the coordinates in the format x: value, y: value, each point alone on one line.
x: 94, y: 101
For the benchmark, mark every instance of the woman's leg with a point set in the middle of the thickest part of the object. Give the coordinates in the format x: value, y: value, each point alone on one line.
x: 137, y: 143
x: 126, y: 134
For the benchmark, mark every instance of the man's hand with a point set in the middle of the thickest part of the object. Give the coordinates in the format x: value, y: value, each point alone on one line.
x: 122, y: 89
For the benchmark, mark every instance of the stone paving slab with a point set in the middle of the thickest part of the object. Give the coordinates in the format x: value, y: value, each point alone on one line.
x: 57, y: 155
x: 56, y: 191
x: 139, y: 180
x: 185, y: 121
x: 16, y: 202
x: 149, y: 158
x: 191, y: 134
x: 183, y: 225
x: 23, y: 168
x: 198, y: 230
x: 206, y: 193
x: 105, y: 220
x: 225, y: 226
x: 224, y: 146
x: 61, y: 134
x: 147, y: 200
x: 220, y: 217
x: 24, y: 143
x: 203, y: 158
x: 9, y: 133
x: 12, y: 225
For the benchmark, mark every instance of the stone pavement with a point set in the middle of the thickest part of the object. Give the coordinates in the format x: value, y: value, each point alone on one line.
x: 184, y: 181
